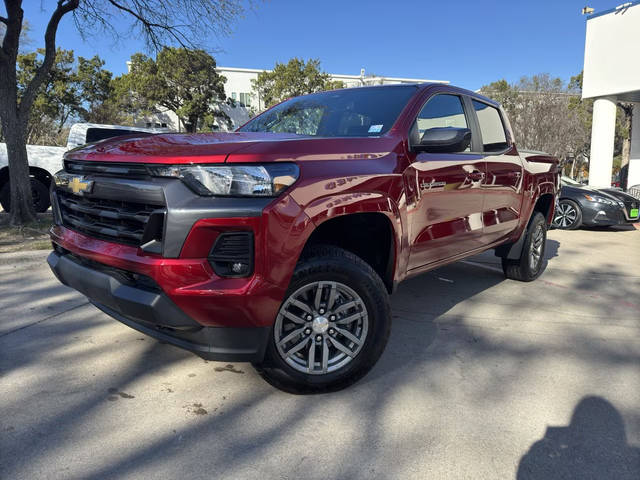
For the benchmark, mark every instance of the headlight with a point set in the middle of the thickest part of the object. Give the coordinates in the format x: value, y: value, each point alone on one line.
x: 233, y: 180
x: 599, y: 199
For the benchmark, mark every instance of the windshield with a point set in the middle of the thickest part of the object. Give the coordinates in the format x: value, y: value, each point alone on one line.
x: 353, y: 112
x: 568, y: 181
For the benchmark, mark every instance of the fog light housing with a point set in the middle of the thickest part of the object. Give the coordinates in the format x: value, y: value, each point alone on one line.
x: 232, y: 254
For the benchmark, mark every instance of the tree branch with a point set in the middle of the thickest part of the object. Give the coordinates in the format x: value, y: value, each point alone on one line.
x: 4, y: 20
x: 150, y: 26
x: 64, y: 7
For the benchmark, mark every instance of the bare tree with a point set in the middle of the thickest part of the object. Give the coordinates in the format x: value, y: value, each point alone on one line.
x: 159, y: 22
x: 544, y: 113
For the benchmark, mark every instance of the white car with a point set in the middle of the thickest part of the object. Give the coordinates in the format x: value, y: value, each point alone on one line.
x: 44, y: 161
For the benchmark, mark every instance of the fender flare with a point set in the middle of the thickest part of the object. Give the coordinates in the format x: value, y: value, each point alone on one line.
x: 340, y: 205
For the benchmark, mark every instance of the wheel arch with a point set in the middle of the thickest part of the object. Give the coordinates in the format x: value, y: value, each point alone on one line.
x: 39, y: 173
x: 367, y: 229
x: 545, y: 205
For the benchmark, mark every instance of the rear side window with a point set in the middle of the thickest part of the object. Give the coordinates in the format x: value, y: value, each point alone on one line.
x: 494, y: 138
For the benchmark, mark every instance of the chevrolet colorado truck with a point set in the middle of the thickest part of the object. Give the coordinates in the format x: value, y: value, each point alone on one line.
x: 279, y: 244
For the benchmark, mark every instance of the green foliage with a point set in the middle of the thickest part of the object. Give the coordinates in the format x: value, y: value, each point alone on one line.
x: 179, y: 79
x: 72, y: 91
x: 294, y: 78
x: 96, y: 90
x: 58, y: 98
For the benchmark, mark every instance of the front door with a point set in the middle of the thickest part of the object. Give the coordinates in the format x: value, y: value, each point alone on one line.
x: 444, y: 194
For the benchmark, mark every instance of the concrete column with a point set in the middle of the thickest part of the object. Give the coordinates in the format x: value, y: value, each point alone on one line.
x: 602, y: 137
x: 634, y: 156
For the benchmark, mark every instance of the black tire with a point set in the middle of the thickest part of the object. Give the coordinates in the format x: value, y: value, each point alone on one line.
x: 336, y: 267
x: 568, y: 215
x: 5, y: 196
x: 531, y: 262
x: 39, y: 191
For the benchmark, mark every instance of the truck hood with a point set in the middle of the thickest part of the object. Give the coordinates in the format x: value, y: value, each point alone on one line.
x: 246, y: 147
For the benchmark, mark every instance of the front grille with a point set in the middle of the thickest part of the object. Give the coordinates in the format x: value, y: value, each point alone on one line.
x: 107, y: 169
x: 232, y: 254
x: 112, y: 220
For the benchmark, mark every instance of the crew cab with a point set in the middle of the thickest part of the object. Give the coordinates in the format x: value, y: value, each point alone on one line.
x: 279, y: 244
x: 45, y: 160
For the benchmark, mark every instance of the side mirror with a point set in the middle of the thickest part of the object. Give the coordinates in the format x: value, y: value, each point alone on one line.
x: 444, y: 140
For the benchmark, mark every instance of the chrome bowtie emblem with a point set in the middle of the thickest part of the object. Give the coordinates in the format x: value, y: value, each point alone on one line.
x: 78, y: 184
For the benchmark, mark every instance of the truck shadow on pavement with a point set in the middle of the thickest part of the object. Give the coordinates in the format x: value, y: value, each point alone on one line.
x: 442, y: 348
x: 593, y: 445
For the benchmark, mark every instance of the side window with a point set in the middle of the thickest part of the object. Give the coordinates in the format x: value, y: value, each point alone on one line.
x: 494, y: 138
x: 442, y: 110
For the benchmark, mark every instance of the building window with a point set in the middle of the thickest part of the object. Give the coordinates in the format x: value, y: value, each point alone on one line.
x: 234, y: 95
x: 245, y: 99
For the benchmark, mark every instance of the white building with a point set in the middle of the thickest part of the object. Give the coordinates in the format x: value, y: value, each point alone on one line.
x: 239, y: 88
x: 612, y: 74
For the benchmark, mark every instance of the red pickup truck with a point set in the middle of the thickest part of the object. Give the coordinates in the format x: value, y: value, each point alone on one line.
x: 279, y: 244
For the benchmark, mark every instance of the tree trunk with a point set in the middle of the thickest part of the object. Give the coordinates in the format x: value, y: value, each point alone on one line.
x: 15, y: 132
x: 22, y: 210
x: 191, y: 124
x: 626, y: 142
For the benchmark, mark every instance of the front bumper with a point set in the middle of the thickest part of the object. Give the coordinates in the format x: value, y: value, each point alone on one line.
x: 189, y: 304
x: 150, y: 311
x: 604, y: 215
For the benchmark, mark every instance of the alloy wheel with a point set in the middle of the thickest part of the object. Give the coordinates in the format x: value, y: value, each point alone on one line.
x: 321, y: 327
x: 535, y: 250
x: 566, y: 215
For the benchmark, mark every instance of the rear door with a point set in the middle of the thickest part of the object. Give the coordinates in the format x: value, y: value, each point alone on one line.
x: 444, y: 194
x: 504, y: 169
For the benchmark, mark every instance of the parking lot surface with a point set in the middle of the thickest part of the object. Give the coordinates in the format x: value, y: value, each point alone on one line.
x: 483, y: 378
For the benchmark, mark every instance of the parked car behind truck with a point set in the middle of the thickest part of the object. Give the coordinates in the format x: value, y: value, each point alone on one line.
x: 45, y: 160
x: 279, y: 244
x: 581, y: 205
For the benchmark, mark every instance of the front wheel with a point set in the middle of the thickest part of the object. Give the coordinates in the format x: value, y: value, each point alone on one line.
x: 531, y: 262
x: 568, y: 215
x: 332, y: 326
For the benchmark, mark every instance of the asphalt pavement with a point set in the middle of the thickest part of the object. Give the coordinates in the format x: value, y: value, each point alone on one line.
x: 483, y: 378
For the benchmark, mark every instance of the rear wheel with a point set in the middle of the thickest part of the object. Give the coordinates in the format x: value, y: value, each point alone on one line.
x: 332, y: 326
x: 568, y: 215
x: 531, y: 262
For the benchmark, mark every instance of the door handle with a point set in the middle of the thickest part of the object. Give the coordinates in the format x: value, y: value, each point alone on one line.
x: 475, y: 176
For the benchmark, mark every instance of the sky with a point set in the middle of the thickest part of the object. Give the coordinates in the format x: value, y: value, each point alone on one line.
x: 469, y: 43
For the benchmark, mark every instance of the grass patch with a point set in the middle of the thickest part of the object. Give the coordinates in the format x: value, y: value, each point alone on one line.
x: 32, y: 236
